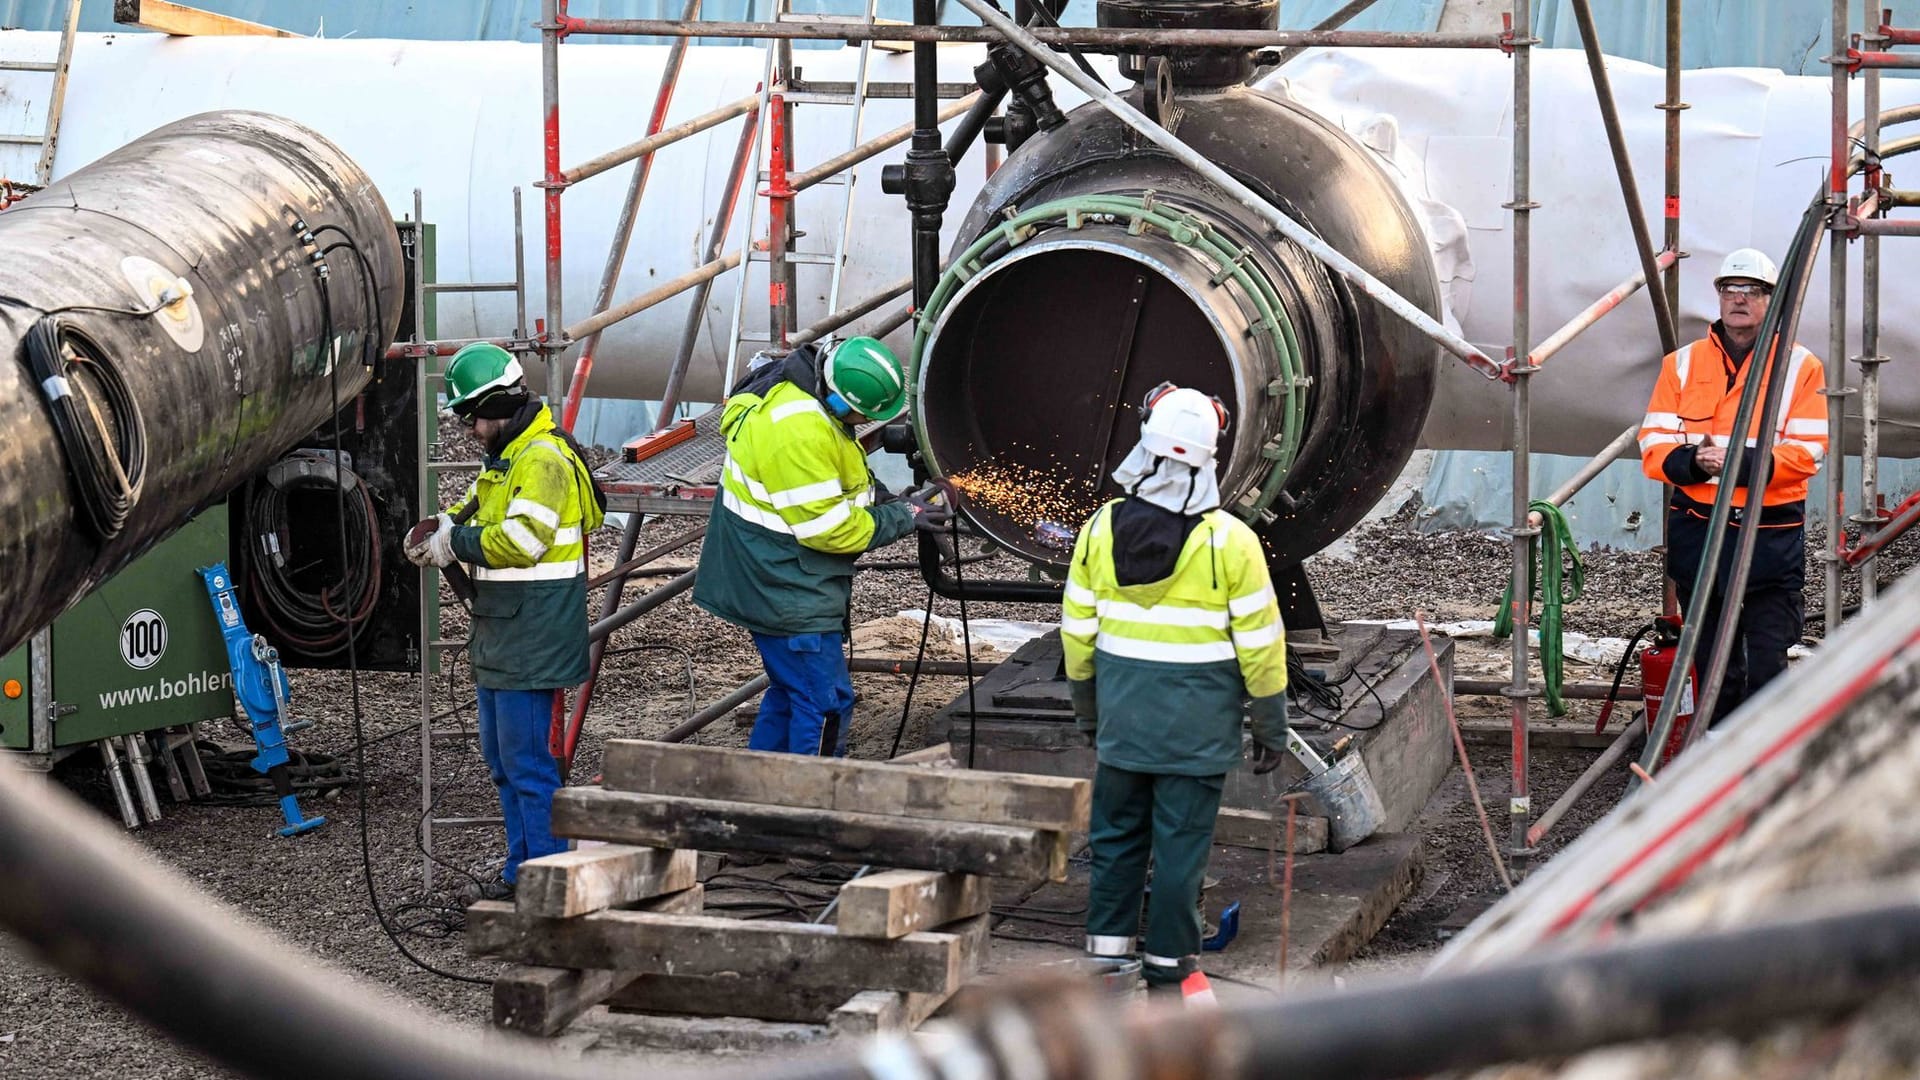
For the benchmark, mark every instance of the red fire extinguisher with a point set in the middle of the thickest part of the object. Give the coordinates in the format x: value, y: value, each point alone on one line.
x: 1657, y: 677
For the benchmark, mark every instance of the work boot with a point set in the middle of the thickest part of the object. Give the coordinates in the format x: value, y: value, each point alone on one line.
x: 493, y: 888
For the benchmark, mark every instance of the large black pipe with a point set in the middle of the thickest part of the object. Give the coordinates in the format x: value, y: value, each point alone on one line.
x: 1005, y: 379
x: 217, y: 384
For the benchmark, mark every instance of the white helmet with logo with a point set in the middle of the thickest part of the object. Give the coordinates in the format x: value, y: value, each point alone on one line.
x: 1182, y: 425
x: 1749, y: 264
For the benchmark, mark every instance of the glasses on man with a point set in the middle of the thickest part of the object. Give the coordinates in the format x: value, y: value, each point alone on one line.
x: 1744, y: 288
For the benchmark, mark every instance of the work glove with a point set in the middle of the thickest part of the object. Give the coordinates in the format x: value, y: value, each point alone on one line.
x: 882, y: 495
x: 415, y: 544
x: 1266, y: 759
x: 1269, y: 722
x: 932, y: 508
x: 430, y: 543
x: 1085, y: 716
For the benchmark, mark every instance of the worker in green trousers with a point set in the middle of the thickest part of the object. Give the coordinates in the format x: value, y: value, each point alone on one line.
x: 1169, y: 624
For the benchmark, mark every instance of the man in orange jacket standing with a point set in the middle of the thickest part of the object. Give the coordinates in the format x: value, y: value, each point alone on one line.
x: 1684, y: 441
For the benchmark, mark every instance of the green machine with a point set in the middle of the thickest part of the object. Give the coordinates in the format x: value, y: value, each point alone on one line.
x: 143, y: 653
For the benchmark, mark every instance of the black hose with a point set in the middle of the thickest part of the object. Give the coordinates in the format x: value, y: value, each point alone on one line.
x: 1619, y: 673
x: 1794, y: 271
x: 97, y: 421
x: 319, y: 621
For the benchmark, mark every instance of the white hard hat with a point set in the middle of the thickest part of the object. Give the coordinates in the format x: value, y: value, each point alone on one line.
x: 1751, y: 264
x: 1182, y: 425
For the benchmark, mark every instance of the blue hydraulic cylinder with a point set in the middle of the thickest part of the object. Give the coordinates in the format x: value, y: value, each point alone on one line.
x: 261, y: 685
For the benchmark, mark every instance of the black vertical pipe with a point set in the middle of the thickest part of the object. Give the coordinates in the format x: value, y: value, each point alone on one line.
x: 929, y: 175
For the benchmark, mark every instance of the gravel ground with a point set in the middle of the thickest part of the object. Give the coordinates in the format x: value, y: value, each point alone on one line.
x: 312, y: 893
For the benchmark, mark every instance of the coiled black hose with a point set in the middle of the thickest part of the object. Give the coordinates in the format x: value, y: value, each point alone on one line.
x: 97, y: 422
x: 318, y: 622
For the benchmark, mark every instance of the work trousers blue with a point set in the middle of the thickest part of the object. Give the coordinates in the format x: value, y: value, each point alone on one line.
x: 513, y: 739
x: 809, y: 698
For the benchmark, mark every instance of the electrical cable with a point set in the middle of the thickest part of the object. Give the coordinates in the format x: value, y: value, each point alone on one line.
x: 311, y: 619
x: 353, y: 659
x: 1326, y: 693
x: 106, y: 451
x: 966, y: 636
x: 913, y: 681
x: 235, y: 782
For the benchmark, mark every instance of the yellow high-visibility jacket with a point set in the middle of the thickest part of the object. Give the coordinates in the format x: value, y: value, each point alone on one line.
x: 1172, y: 660
x: 795, y: 510
x: 526, y: 545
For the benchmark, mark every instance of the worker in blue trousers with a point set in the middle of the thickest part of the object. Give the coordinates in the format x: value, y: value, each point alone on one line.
x: 533, y: 504
x: 797, y: 507
x: 1171, y: 634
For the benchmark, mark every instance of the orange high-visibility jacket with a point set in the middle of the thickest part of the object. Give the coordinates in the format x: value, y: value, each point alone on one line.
x: 1694, y: 403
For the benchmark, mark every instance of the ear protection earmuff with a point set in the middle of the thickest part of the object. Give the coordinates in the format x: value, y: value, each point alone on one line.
x: 1154, y: 395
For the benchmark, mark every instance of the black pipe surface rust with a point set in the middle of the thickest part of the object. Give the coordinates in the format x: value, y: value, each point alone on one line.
x: 223, y: 381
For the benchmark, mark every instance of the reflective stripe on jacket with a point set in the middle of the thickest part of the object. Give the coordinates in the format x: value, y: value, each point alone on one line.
x: 1172, y: 660
x: 1694, y: 403
x: 796, y: 508
x: 526, y: 549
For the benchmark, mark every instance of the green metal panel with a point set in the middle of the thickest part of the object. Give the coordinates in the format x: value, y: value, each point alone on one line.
x: 16, y: 733
x: 143, y: 651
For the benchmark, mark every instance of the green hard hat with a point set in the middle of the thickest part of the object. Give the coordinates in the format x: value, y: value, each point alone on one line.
x: 865, y: 374
x: 478, y: 369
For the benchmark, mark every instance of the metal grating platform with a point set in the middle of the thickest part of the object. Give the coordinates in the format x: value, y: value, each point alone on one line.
x: 681, y: 479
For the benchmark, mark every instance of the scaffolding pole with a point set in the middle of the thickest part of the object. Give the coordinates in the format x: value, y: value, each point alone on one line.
x: 622, y: 238
x: 1869, y: 517
x: 553, y: 183
x: 1623, y: 165
x: 1088, y: 38
x: 1519, y: 805
x: 1672, y: 106
x: 1836, y: 390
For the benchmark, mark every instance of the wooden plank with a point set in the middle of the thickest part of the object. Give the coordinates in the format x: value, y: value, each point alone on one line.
x: 728, y: 995
x: 712, y: 825
x: 544, y: 1000
x: 932, y: 757
x: 799, y: 954
x: 895, y: 903
x: 628, y: 1036
x: 871, y: 1012
x: 1268, y: 832
x: 865, y: 787
x: 596, y: 878
x: 181, y: 21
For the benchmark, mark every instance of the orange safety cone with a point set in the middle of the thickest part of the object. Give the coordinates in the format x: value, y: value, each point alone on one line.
x: 1196, y: 990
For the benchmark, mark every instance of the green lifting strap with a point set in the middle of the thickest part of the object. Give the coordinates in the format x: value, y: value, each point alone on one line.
x: 1558, y: 578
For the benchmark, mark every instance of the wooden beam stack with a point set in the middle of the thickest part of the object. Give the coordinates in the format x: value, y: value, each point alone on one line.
x: 622, y: 923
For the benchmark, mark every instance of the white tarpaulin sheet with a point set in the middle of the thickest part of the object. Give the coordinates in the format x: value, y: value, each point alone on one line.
x: 1754, y: 150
